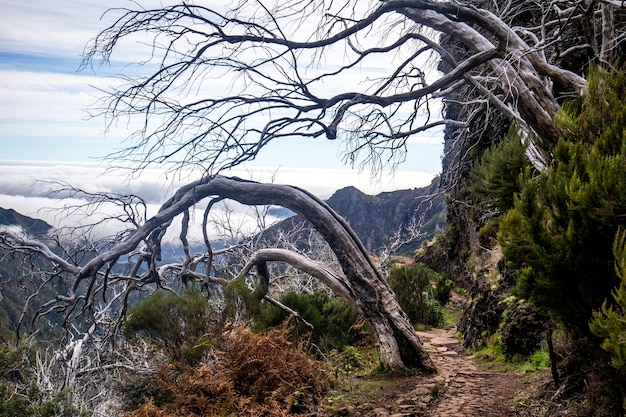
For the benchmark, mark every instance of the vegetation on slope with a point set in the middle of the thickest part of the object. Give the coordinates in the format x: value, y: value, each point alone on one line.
x: 553, y: 264
x: 245, y: 375
x: 609, y: 323
x: 421, y: 292
x: 564, y: 222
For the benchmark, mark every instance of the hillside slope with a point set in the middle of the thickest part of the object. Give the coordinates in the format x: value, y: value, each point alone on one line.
x: 414, y: 215
x: 35, y: 227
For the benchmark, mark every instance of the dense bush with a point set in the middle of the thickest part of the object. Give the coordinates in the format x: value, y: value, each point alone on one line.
x: 564, y: 221
x: 443, y: 289
x: 522, y: 329
x: 415, y: 291
x: 495, y: 177
x: 249, y: 375
x: 335, y: 323
x: 560, y: 233
x: 176, y: 323
x: 609, y: 322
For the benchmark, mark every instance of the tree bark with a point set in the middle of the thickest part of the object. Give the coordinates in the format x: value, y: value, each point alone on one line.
x: 400, y: 348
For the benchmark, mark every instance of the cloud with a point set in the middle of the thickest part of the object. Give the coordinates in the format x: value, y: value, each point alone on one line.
x: 55, y: 105
x: 37, y: 179
x: 26, y: 187
x: 43, y: 119
x: 57, y: 28
x: 230, y: 218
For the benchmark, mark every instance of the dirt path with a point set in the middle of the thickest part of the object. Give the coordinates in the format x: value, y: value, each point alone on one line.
x: 461, y: 388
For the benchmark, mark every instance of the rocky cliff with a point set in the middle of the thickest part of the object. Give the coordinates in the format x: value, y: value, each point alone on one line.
x: 412, y: 215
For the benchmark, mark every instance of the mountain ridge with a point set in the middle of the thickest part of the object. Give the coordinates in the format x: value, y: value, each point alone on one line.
x: 374, y: 218
x: 33, y: 226
x: 377, y: 218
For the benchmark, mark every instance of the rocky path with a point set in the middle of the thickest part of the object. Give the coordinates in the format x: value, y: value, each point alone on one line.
x: 461, y: 388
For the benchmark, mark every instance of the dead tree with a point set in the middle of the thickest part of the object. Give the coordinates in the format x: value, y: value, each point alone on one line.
x: 228, y: 82
x: 278, y: 58
x: 359, y: 282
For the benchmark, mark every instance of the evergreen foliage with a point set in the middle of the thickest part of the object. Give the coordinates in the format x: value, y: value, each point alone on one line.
x: 443, y: 289
x: 522, y: 329
x: 560, y: 231
x: 609, y: 322
x: 177, y: 323
x: 413, y: 285
x: 495, y: 176
x: 335, y: 324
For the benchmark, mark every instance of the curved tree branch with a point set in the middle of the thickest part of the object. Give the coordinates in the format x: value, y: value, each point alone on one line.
x: 336, y: 281
x: 360, y: 282
x: 274, y: 57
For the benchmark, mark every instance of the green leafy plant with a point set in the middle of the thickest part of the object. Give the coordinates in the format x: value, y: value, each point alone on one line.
x: 335, y: 323
x: 413, y: 285
x: 176, y: 323
x: 609, y: 322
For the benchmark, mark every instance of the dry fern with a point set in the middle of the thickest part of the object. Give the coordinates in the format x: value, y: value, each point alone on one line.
x: 252, y: 375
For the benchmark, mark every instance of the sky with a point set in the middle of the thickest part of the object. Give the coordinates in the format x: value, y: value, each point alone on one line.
x: 46, y: 134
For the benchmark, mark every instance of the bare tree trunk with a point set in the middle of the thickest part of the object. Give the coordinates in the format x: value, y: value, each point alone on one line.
x: 608, y: 33
x: 553, y: 365
x: 400, y: 347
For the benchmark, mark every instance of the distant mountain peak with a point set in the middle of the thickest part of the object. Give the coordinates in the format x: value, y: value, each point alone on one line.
x: 377, y: 218
x: 35, y: 227
x: 349, y: 189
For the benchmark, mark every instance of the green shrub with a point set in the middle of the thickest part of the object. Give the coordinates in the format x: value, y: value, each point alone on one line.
x: 522, y: 329
x: 433, y: 313
x: 177, y: 323
x: 58, y: 406
x: 352, y: 360
x: 335, y: 324
x: 416, y: 294
x: 443, y: 289
x: 609, y: 322
x: 12, y: 367
x: 540, y: 359
x: 12, y: 404
x: 495, y: 177
x: 560, y: 232
x: 488, y: 233
x: 140, y: 388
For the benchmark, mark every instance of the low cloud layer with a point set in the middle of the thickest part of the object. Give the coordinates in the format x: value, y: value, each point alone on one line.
x: 28, y: 187
x: 44, y: 121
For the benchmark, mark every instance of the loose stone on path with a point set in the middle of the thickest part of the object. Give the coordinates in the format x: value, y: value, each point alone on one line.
x: 460, y: 388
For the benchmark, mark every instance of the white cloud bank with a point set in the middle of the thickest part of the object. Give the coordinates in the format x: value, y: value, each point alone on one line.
x: 43, y: 119
x: 26, y: 186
